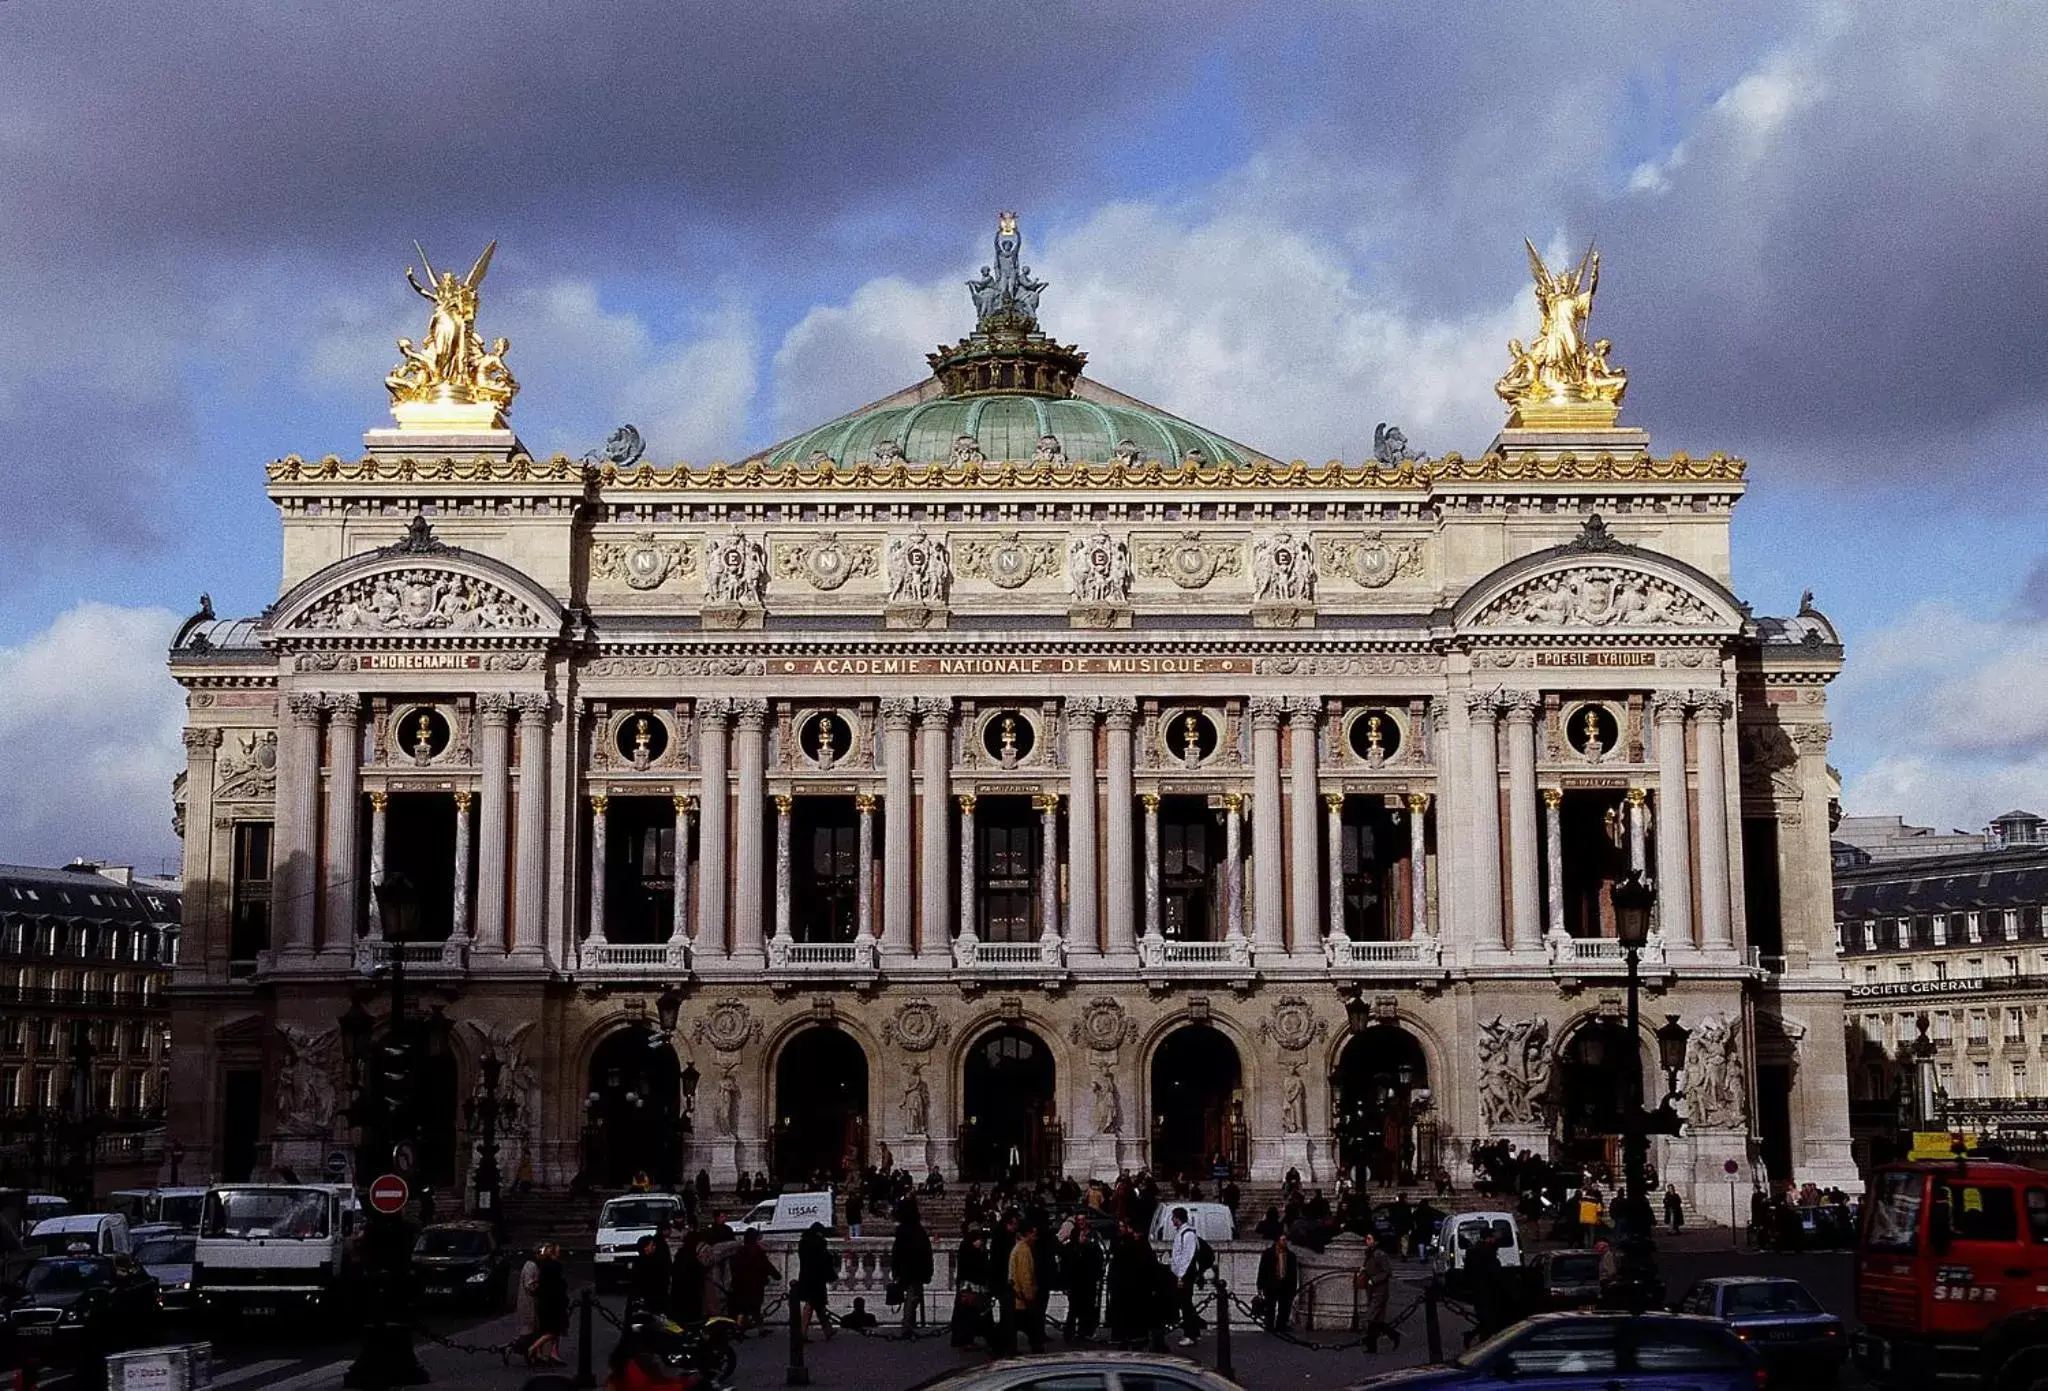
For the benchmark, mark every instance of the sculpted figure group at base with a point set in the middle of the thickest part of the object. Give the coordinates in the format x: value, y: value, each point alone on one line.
x: 1514, y: 1071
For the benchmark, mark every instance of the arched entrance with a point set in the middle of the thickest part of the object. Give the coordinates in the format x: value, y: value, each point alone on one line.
x: 1385, y: 1133
x: 1597, y: 1077
x: 631, y: 1109
x: 1197, y: 1104
x: 821, y: 1106
x: 1009, y: 1125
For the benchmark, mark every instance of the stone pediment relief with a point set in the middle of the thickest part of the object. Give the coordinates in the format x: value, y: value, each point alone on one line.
x: 421, y: 599
x: 1610, y: 597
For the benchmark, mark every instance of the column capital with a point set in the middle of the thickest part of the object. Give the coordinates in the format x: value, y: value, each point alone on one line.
x: 1047, y: 802
x: 1233, y: 802
x: 1711, y: 704
x: 1484, y: 704
x: 935, y: 712
x: 494, y: 707
x: 1439, y: 712
x: 1418, y: 803
x: 864, y: 803
x: 897, y: 712
x: 534, y: 707
x: 1334, y: 801
x: 1150, y: 801
x: 966, y: 800
x: 1810, y: 738
x: 1637, y: 796
x: 463, y: 798
x: 600, y: 802
x: 716, y: 709
x: 306, y: 706
x: 750, y: 713
x: 1119, y: 712
x: 1668, y: 705
x: 684, y: 805
x: 1303, y: 711
x: 1080, y: 711
x: 202, y: 741
x: 344, y: 705
x: 1521, y: 707
x: 783, y: 803
x: 379, y: 799
x: 1266, y: 711
x: 1553, y: 798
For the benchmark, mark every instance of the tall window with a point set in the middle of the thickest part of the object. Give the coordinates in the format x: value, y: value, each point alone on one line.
x: 830, y: 871
x: 249, y: 896
x: 1009, y: 873
x: 1980, y: 1027
x: 2019, y: 1079
x: 1980, y: 1079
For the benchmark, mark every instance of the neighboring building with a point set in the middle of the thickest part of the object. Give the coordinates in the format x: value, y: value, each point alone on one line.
x: 1959, y: 938
x: 1876, y: 839
x: 2018, y: 828
x: 86, y: 954
x: 1011, y: 774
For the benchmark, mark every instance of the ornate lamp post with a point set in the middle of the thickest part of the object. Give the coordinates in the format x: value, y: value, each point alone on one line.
x: 1633, y: 900
x: 485, y: 1109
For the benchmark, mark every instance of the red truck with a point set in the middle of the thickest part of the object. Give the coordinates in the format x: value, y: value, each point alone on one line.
x: 1952, y: 1277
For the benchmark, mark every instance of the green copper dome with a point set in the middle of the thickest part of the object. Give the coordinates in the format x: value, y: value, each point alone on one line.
x: 1010, y: 394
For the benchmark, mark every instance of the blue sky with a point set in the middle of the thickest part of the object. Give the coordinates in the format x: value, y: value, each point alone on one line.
x: 1824, y: 232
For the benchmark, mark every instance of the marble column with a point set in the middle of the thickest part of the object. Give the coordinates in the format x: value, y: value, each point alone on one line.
x: 1553, y: 843
x: 1418, y: 866
x: 1119, y: 901
x: 529, y: 898
x: 970, y: 901
x: 1302, y: 712
x: 1048, y: 865
x: 1151, y: 801
x: 1333, y: 803
x: 1674, y: 850
x: 784, y: 809
x: 1488, y: 927
x: 1233, y: 864
x: 679, y: 879
x: 344, y: 808
x: 297, y: 832
x: 600, y: 848
x: 935, y: 729
x: 1083, y: 932
x: 462, y: 930
x: 1269, y: 932
x: 1717, y: 921
x: 898, y: 904
x: 1526, y: 880
x: 493, y: 815
x: 864, y: 890
x: 750, y: 812
x: 714, y: 834
x: 380, y: 803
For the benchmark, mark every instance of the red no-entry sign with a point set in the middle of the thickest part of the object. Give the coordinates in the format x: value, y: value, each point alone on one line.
x: 388, y: 1194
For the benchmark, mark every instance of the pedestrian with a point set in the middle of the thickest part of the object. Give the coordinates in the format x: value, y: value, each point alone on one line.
x: 1133, y: 1275
x: 647, y: 1283
x: 526, y: 1310
x: 860, y: 1320
x: 1376, y: 1281
x: 1081, y: 1272
x: 1270, y: 1226
x: 1759, y: 1219
x: 1589, y: 1215
x: 910, y: 1262
x: 853, y: 1211
x: 748, y: 1276
x: 703, y: 1189
x: 1186, y: 1246
x: 1279, y: 1278
x: 1674, y: 1208
x: 814, y: 1276
x: 1483, y: 1281
x: 551, y: 1308
x: 686, y: 1281
x: 1025, y: 1309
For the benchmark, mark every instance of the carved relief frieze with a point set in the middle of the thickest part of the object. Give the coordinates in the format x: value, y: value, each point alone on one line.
x: 248, y: 768
x: 1010, y: 561
x: 1190, y: 560
x: 1372, y: 560
x: 645, y: 562
x: 1597, y: 597
x: 826, y: 561
x: 421, y: 600
x: 675, y: 666
x: 1351, y: 664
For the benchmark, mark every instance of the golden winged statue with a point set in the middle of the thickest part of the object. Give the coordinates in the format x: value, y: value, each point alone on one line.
x: 1560, y: 380
x: 451, y: 378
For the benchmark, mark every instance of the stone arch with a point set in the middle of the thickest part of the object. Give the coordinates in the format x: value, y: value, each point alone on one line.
x: 1594, y: 585
x: 1382, y: 1131
x: 493, y: 599
x: 850, y: 1100
x: 1032, y: 1080
x: 1586, y: 1083
x: 1208, y: 1118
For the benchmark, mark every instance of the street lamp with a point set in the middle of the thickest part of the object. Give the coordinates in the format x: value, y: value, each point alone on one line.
x: 1632, y: 899
x: 667, y: 1008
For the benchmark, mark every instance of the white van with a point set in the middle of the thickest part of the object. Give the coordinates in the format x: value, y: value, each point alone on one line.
x: 101, y: 1233
x: 178, y: 1207
x: 1213, y: 1222
x: 621, y: 1222
x: 787, y: 1212
x: 265, y: 1248
x: 1460, y: 1231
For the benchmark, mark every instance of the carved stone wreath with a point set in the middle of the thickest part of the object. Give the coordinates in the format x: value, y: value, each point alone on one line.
x: 916, y: 1027
x: 1189, y: 561
x: 1104, y: 1026
x: 1371, y: 560
x: 1293, y: 1024
x: 645, y: 562
x: 729, y: 1026
x: 1008, y: 562
x: 827, y: 562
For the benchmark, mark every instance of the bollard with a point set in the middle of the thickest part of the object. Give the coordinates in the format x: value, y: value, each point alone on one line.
x: 797, y: 1374
x: 585, y: 1377
x: 1433, y: 1331
x: 1223, y: 1363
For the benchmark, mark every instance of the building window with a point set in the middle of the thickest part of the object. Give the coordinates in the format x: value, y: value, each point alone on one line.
x: 1941, y: 930
x: 1980, y: 1028
x: 1976, y: 927
x: 1941, y: 970
x: 2012, y: 924
x: 2019, y: 1079
x: 1976, y: 967
x: 10, y: 1090
x: 1870, y: 975
x: 1870, y: 936
x: 249, y: 896
x: 1942, y: 1031
x: 2014, y: 1028
x: 1905, y: 972
x: 2012, y: 966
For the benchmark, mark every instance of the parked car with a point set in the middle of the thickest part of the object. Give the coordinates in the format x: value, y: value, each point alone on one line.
x: 621, y: 1222
x: 82, y: 1234
x: 1565, y: 1280
x: 178, y: 1207
x: 166, y: 1253
x: 1074, y: 1371
x: 462, y: 1262
x: 1458, y: 1233
x: 74, y: 1309
x: 1787, y: 1326
x: 787, y: 1212
x: 1610, y: 1352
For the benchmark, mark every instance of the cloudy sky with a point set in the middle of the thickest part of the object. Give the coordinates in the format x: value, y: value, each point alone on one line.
x: 1824, y: 232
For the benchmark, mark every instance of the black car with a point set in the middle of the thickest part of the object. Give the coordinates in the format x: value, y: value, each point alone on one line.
x: 75, y: 1309
x: 462, y: 1263
x: 1565, y: 1280
x: 1778, y: 1317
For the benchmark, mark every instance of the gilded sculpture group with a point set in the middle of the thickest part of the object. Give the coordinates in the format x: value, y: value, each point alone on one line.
x: 451, y: 365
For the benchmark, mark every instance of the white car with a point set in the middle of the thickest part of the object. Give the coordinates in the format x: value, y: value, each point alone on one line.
x: 786, y: 1212
x: 1460, y: 1231
x: 82, y: 1233
x: 621, y: 1222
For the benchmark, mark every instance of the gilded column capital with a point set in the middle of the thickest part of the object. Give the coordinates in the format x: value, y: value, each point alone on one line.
x: 1233, y: 802
x: 685, y: 806
x: 202, y: 741
x: 1150, y: 801
x: 463, y: 798
x: 534, y: 707
x: 864, y: 803
x: 1334, y: 801
x: 1521, y: 707
x: 1266, y: 711
x: 1046, y: 802
x: 1119, y: 712
x: 1418, y: 803
x: 897, y: 712
x: 306, y: 706
x: 783, y: 803
x: 494, y: 707
x: 379, y: 799
x: 600, y: 803
x: 1483, y: 704
x: 966, y: 800
x: 1553, y: 798
x: 1669, y: 705
x: 750, y: 713
x: 1637, y: 796
x: 1711, y: 704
